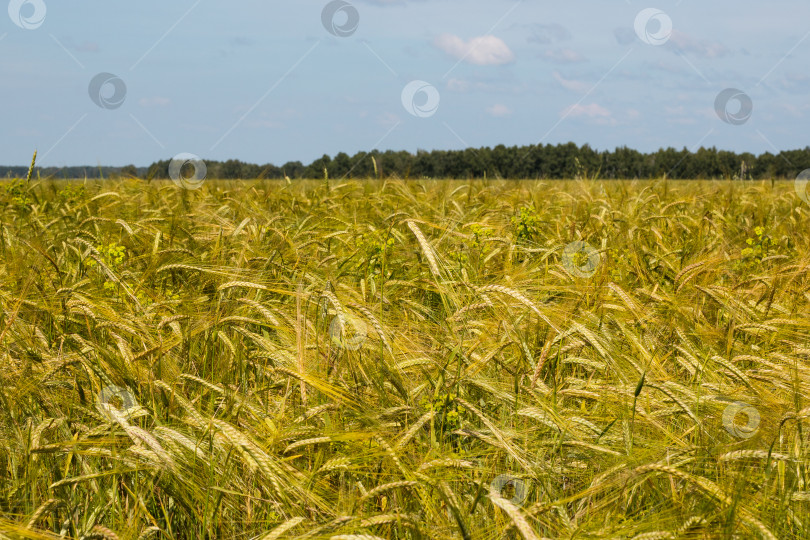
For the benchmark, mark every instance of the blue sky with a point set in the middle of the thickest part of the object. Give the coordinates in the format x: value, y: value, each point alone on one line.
x: 266, y: 81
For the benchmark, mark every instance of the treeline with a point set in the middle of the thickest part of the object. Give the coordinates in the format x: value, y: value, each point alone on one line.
x: 532, y: 162
x: 20, y: 171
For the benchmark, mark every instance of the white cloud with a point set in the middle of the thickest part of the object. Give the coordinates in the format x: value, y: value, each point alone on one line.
x: 387, y: 120
x: 498, y: 110
x: 492, y: 85
x: 679, y: 42
x: 564, y: 56
x: 482, y: 51
x: 795, y: 83
x: 593, y: 112
x: 458, y: 85
x: 574, y: 86
x: 685, y: 43
x: 796, y: 110
x: 84, y: 46
x: 278, y: 119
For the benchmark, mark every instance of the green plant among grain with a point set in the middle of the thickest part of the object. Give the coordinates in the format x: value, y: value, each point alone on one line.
x: 171, y: 367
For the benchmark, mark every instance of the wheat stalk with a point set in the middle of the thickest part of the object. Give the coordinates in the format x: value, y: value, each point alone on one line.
x: 426, y: 249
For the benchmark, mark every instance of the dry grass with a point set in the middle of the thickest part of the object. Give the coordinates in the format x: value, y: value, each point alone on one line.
x: 227, y: 315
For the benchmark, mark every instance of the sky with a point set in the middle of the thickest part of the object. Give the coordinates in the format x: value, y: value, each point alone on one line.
x: 266, y: 81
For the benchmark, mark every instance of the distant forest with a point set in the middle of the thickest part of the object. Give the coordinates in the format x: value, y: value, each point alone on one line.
x: 524, y: 162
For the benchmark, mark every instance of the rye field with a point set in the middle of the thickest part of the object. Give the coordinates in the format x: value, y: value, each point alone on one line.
x: 405, y: 359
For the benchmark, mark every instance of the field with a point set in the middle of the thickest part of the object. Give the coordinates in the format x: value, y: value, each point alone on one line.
x: 404, y: 359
